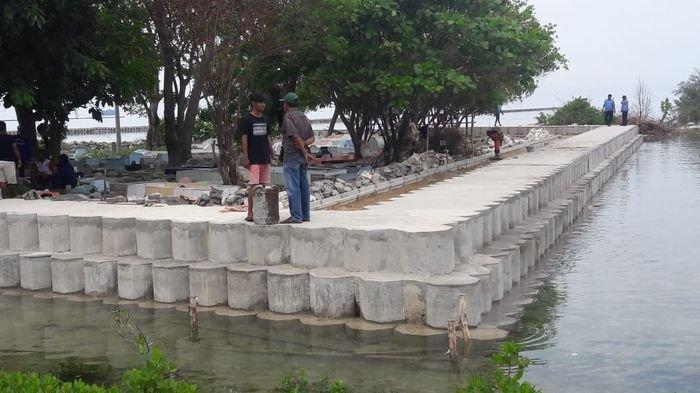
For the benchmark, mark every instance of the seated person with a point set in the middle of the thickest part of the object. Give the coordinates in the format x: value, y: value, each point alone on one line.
x: 65, y: 174
x: 43, y: 170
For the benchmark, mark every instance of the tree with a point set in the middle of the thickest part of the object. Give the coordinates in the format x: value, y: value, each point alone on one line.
x: 389, y: 63
x: 575, y: 111
x: 57, y: 57
x: 643, y: 102
x: 666, y: 110
x: 688, y: 99
x: 186, y: 38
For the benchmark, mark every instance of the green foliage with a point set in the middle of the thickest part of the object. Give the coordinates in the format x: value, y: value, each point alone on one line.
x: 387, y: 63
x: 666, y: 110
x: 156, y: 377
x: 510, y: 368
x: 34, y: 383
x: 576, y: 111
x: 688, y: 99
x: 203, y: 127
x: 299, y: 383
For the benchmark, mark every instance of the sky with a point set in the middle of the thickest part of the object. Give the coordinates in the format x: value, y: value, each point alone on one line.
x: 610, y: 45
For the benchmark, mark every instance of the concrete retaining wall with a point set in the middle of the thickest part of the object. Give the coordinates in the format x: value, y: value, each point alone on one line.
x: 407, y: 259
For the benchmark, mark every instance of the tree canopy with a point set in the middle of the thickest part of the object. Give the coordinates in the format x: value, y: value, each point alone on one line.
x: 688, y: 99
x: 58, y: 56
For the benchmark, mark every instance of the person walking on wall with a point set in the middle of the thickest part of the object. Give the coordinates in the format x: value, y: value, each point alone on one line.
x: 624, y: 108
x: 498, y: 114
x: 609, y: 109
x: 297, y: 136
x: 256, y: 144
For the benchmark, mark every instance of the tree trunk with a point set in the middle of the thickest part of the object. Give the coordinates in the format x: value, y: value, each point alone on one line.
x: 331, y: 127
x: 228, y: 162
x: 52, y: 141
x: 168, y: 61
x: 27, y: 127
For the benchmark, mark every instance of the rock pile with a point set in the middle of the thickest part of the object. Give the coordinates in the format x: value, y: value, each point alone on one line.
x: 537, y: 134
x: 415, y: 164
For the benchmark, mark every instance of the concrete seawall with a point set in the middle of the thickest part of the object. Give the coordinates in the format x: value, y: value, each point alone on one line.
x: 403, y: 260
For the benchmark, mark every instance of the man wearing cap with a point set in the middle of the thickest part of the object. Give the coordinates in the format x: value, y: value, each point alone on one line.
x: 609, y: 109
x: 298, y: 135
x: 256, y: 144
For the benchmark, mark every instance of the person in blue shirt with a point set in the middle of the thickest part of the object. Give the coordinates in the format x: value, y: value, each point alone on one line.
x: 624, y: 108
x: 609, y: 109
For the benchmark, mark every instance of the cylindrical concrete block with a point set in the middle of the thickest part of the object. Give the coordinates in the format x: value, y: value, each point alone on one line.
x: 118, y: 236
x: 54, y: 233
x: 266, y: 205
x: 332, y: 293
x: 483, y: 274
x: 85, y: 235
x: 4, y: 234
x: 134, y: 278
x: 227, y: 242
x: 495, y: 266
x: 381, y: 298
x: 35, y: 271
x: 247, y: 287
x: 288, y: 289
x: 23, y: 231
x: 208, y: 283
x: 268, y: 245
x: 171, y: 281
x: 153, y: 239
x: 189, y: 240
x: 313, y: 247
x: 67, y: 273
x: 100, y: 275
x: 442, y: 300
x: 9, y: 269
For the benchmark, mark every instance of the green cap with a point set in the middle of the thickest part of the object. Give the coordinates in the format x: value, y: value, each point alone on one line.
x: 291, y: 98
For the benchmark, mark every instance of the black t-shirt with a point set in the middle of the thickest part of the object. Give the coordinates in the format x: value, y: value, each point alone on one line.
x: 257, y: 129
x: 6, y: 152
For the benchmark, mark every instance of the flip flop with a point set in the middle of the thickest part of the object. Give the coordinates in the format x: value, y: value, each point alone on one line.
x: 249, y: 219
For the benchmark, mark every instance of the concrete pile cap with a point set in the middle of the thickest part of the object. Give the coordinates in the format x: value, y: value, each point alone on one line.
x: 246, y: 268
x: 170, y: 264
x: 135, y: 261
x: 453, y: 280
x: 67, y: 257
x: 99, y: 258
x: 286, y: 270
x: 36, y: 255
x: 207, y: 266
x: 332, y: 273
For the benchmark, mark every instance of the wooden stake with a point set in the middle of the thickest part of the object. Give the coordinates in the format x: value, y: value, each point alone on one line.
x: 463, y: 303
x: 194, y: 327
x: 452, y: 350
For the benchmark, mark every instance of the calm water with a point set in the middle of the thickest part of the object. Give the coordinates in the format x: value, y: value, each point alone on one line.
x: 618, y: 312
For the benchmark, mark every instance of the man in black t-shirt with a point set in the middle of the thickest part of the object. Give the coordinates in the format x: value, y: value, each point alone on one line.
x: 256, y: 144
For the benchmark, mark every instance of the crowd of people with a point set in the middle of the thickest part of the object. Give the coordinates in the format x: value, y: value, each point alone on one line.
x: 18, y: 164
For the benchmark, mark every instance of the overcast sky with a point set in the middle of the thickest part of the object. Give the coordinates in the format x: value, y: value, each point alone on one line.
x: 610, y: 44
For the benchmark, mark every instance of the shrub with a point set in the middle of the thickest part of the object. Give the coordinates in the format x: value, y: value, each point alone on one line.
x: 510, y: 368
x: 576, y: 111
x: 34, y: 383
x: 299, y: 383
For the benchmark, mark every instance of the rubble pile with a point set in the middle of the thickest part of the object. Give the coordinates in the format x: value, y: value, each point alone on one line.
x: 537, y: 134
x: 415, y: 164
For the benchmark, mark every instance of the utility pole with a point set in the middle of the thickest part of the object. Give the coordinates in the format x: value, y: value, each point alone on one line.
x: 118, y: 126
